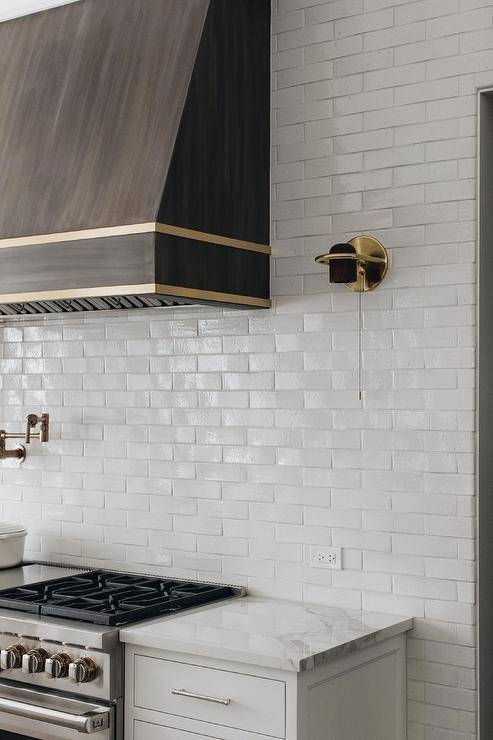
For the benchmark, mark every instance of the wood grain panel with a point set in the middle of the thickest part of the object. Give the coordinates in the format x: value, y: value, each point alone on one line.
x: 122, y: 112
x: 211, y: 267
x: 125, y: 260
x: 91, y: 97
x: 199, y: 269
x: 219, y: 177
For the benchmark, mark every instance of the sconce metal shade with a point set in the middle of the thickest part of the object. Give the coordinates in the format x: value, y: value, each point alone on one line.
x: 342, y: 270
x: 361, y: 264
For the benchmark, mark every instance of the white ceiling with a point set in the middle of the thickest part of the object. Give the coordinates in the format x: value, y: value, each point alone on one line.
x: 14, y: 8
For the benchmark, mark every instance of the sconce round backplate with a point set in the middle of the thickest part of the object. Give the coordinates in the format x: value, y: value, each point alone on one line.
x: 372, y: 273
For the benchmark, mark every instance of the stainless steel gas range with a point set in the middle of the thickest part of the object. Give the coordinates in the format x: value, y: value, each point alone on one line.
x: 60, y: 657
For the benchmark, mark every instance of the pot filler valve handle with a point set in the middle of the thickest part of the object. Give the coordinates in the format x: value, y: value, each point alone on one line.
x: 32, y: 421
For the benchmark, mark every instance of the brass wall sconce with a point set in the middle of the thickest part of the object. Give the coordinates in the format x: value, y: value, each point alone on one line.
x: 19, y: 452
x: 361, y: 263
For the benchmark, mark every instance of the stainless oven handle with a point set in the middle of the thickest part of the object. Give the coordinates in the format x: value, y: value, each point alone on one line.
x: 88, y: 723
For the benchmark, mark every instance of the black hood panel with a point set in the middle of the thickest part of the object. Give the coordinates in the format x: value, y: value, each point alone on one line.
x: 135, y: 154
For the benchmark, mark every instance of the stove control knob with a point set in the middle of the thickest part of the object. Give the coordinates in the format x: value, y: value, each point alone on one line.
x: 34, y: 661
x: 57, y: 665
x: 11, y: 657
x: 82, y: 670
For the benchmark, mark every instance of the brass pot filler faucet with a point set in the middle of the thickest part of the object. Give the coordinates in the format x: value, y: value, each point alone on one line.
x: 19, y: 452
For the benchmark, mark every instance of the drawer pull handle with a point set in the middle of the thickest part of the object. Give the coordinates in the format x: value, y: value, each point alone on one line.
x: 202, y: 697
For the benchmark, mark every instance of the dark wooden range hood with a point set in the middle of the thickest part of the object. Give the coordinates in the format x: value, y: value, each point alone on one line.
x: 134, y: 155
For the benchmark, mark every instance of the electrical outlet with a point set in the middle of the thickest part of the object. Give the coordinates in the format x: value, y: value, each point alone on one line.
x: 162, y: 557
x: 326, y: 557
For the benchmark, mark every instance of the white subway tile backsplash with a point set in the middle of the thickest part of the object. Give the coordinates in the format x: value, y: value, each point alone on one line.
x: 222, y: 444
x: 394, y: 36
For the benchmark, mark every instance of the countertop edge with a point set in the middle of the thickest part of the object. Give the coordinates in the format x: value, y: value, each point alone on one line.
x: 134, y: 636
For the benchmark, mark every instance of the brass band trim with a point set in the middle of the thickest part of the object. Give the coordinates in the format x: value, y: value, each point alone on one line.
x: 202, y: 236
x: 72, y: 236
x: 211, y: 295
x: 143, y: 289
x: 129, y: 229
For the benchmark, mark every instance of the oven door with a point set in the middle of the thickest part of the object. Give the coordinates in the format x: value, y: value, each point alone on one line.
x: 28, y: 713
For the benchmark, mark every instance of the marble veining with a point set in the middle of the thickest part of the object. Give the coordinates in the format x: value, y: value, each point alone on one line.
x: 265, y: 632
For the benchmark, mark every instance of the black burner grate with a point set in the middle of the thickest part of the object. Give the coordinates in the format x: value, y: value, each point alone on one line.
x: 103, y: 597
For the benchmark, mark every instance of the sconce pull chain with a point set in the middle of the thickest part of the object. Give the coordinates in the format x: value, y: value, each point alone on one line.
x: 360, y: 347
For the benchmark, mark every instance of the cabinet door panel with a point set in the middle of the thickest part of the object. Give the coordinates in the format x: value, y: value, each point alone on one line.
x: 363, y: 703
x: 148, y: 731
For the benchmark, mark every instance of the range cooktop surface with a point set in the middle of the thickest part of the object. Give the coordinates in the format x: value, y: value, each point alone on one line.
x: 104, y: 597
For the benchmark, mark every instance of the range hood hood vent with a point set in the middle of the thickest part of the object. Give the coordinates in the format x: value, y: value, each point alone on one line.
x: 134, y: 155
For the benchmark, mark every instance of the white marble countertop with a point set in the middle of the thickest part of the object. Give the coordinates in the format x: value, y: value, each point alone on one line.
x: 266, y: 632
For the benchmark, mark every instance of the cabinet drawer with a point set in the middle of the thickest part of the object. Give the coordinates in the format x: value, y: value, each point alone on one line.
x: 147, y: 731
x: 253, y: 704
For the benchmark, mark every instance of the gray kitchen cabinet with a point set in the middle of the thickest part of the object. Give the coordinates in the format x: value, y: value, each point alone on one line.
x: 355, y: 696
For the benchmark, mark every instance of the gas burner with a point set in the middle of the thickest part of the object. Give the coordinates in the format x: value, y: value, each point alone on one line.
x: 107, y: 598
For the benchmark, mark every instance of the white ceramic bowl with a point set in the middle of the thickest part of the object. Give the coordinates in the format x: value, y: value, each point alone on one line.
x: 12, y: 538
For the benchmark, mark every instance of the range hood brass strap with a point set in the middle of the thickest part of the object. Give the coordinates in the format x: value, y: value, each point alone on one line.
x: 72, y: 236
x: 143, y: 228
x: 202, y: 236
x: 145, y: 289
x: 210, y: 295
